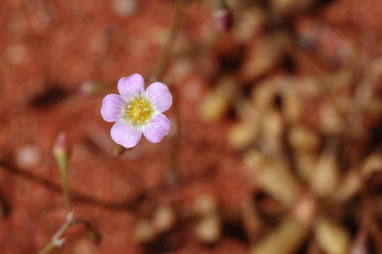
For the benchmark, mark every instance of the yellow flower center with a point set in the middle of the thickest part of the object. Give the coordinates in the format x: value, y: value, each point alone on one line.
x: 138, y: 111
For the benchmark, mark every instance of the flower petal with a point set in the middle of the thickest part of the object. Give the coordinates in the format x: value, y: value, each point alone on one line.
x: 157, y: 128
x: 125, y: 134
x: 160, y: 96
x: 131, y: 86
x: 112, y: 105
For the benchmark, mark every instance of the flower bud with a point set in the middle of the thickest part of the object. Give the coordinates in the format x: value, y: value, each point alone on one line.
x: 61, y: 153
x: 223, y: 19
x: 61, y: 146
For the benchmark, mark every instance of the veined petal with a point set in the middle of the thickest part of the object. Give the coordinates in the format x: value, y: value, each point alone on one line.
x: 157, y: 128
x: 125, y: 134
x: 112, y: 106
x: 160, y: 96
x: 131, y: 86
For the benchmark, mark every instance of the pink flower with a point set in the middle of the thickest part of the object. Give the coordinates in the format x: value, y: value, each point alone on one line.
x: 136, y: 111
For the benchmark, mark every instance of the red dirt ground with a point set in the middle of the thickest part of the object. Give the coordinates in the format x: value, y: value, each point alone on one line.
x: 47, y: 50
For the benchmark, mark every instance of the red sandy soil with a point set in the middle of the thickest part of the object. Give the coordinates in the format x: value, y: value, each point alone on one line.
x: 47, y: 50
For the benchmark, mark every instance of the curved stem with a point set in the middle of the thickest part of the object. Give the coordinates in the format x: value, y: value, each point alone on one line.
x: 166, y: 52
x: 92, y: 234
x: 56, y: 240
x: 48, y: 247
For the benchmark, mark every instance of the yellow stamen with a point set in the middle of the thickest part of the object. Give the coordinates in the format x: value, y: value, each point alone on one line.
x: 138, y: 111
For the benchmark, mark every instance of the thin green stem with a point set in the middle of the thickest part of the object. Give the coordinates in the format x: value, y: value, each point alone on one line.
x: 63, y: 166
x: 172, y: 176
x: 158, y: 75
x: 47, y: 248
x: 57, y: 237
x: 92, y: 234
x: 166, y: 52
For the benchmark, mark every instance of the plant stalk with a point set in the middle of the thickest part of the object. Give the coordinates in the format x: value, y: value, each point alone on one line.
x: 166, y: 52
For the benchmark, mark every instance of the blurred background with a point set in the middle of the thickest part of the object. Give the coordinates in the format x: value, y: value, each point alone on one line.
x: 275, y: 143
